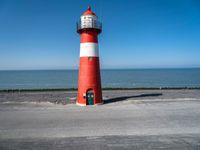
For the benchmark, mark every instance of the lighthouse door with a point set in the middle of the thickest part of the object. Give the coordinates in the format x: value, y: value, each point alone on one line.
x: 90, y: 97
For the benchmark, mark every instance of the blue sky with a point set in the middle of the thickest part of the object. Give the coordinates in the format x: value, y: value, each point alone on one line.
x: 41, y: 34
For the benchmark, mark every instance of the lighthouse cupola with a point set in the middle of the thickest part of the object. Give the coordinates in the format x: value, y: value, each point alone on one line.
x: 89, y: 20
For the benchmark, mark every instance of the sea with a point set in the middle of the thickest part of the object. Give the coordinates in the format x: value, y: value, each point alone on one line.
x: 111, y: 78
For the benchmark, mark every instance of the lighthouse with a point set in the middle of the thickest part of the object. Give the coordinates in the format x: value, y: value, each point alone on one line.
x: 89, y: 79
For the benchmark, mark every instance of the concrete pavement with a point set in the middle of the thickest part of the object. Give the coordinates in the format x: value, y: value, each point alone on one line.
x: 132, y: 124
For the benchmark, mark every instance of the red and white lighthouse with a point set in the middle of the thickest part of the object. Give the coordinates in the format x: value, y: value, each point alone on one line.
x: 89, y: 80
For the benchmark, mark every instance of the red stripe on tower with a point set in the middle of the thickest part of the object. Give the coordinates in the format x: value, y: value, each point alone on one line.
x: 89, y: 79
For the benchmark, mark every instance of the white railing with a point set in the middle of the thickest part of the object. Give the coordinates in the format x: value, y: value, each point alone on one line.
x: 88, y: 25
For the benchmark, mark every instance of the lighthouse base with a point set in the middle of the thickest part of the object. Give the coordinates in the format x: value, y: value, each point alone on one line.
x: 79, y: 104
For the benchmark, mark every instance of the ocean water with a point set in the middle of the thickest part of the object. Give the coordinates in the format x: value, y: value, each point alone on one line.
x: 129, y: 78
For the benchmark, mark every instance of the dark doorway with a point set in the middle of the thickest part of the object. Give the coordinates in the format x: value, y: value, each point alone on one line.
x: 90, y: 97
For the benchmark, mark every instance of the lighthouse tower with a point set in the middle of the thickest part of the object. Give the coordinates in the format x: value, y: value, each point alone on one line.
x: 89, y: 80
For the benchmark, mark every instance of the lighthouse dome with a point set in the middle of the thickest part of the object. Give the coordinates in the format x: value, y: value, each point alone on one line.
x: 89, y: 12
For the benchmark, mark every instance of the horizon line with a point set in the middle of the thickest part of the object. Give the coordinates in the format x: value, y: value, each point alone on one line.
x: 102, y: 68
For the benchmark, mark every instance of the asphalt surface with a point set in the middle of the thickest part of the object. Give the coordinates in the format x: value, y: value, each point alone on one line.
x: 69, y: 97
x: 153, y: 142
x: 128, y: 122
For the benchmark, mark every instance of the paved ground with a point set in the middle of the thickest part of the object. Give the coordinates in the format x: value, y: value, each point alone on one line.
x: 69, y: 97
x: 153, y: 142
x: 144, y: 121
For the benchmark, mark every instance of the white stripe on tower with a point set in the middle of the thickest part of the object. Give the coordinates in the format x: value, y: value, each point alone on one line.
x: 89, y: 49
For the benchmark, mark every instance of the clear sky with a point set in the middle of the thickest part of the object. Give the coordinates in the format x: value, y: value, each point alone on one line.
x: 41, y: 34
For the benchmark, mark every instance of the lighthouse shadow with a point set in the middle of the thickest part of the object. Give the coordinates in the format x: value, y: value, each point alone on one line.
x: 124, y: 98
